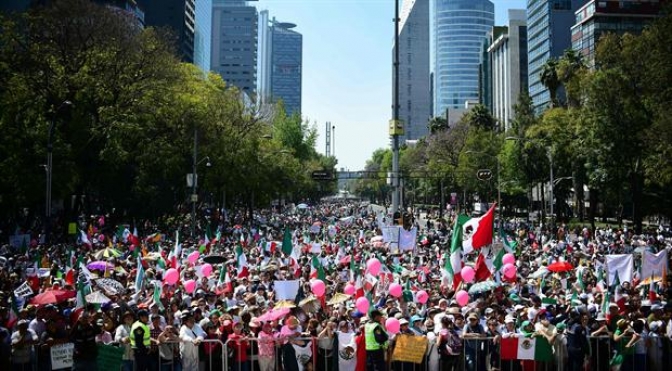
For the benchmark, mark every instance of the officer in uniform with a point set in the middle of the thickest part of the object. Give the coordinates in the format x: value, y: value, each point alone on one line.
x: 141, y: 341
x: 376, y: 342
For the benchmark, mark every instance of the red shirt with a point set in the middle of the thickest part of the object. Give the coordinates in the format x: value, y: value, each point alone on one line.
x: 239, y: 347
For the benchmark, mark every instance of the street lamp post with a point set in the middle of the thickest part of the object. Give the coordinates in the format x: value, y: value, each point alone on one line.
x: 194, y: 181
x: 49, y: 166
x: 396, y: 127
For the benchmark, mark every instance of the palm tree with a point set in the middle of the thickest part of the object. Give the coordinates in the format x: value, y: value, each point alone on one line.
x: 549, y: 78
x: 437, y: 124
x: 480, y: 117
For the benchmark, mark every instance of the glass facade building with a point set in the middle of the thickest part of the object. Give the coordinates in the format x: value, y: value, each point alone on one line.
x: 234, y: 44
x: 202, y: 33
x: 286, y: 56
x: 548, y: 27
x: 414, y: 77
x: 609, y: 16
x: 458, y: 30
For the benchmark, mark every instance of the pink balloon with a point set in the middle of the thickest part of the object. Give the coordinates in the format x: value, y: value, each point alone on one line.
x: 171, y: 276
x: 392, y: 325
x: 508, y: 259
x: 318, y: 288
x: 349, y: 289
x: 101, y: 237
x: 189, y: 286
x: 468, y: 274
x: 362, y: 305
x: 395, y: 289
x: 462, y: 298
x: 101, y: 221
x: 206, y: 269
x: 509, y: 271
x: 422, y: 296
x: 373, y: 265
x: 193, y: 257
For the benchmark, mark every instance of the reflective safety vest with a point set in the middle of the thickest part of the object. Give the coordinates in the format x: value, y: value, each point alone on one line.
x: 370, y: 337
x: 145, y: 336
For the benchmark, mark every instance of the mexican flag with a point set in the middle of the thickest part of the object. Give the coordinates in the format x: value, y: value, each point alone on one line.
x: 225, y: 280
x: 478, y: 231
x: 242, y: 262
x: 356, y: 278
x: 287, y: 246
x: 316, y: 269
x: 16, y: 306
x: 537, y: 349
x: 84, y: 238
x: 453, y: 263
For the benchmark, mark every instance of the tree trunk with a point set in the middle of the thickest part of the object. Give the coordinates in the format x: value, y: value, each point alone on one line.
x: 637, y: 186
x: 593, y: 207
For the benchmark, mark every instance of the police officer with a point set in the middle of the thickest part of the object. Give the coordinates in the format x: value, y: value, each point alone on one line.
x: 376, y: 342
x: 141, y: 341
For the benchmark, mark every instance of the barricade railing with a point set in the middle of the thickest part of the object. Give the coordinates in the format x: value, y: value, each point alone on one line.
x: 279, y: 353
x: 324, y: 354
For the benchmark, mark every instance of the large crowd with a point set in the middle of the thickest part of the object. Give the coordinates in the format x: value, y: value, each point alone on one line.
x: 317, y: 288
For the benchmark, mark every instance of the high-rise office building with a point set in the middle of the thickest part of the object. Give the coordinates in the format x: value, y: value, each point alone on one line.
x: 508, y: 58
x: 548, y: 28
x: 234, y: 44
x: 458, y: 29
x: 191, y: 23
x: 414, y: 84
x: 596, y: 18
x: 280, y: 61
x: 485, y: 68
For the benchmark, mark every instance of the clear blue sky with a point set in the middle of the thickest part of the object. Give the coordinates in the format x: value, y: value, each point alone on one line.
x: 347, y: 68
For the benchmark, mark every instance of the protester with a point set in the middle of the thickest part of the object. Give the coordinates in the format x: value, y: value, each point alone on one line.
x: 253, y: 288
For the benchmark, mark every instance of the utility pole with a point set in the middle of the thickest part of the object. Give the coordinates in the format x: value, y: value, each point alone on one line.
x: 194, y: 177
x: 396, y: 126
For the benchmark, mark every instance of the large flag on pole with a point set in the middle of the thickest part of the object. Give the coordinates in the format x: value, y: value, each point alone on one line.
x: 453, y: 263
x: 477, y: 232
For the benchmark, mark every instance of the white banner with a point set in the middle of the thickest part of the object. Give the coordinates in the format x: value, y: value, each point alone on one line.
x: 316, y: 248
x: 620, y: 265
x: 61, y: 356
x: 654, y: 265
x: 286, y: 290
x: 23, y: 290
x: 407, y: 239
x: 391, y: 234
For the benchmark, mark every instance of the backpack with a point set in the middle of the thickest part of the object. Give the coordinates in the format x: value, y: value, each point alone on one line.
x: 450, y: 345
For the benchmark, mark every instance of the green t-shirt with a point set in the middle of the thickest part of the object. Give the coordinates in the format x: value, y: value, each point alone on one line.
x: 621, y: 346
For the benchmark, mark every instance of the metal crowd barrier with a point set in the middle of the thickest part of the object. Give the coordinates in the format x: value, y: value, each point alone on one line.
x: 314, y: 354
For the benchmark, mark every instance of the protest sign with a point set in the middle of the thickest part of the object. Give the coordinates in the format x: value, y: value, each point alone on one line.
x: 61, y: 356
x: 109, y: 357
x: 409, y: 348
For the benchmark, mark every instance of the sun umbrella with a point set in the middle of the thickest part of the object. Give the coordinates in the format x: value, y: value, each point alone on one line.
x: 97, y: 297
x: 338, y: 298
x: 152, y: 256
x: 481, y: 287
x: 111, y: 285
x: 99, y: 265
x: 284, y: 304
x: 560, y: 267
x: 108, y: 252
x: 301, y: 206
x: 273, y: 315
x: 214, y: 259
x: 53, y: 297
x: 307, y: 301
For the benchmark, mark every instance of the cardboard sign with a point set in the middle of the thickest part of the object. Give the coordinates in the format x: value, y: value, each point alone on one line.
x: 61, y: 356
x: 409, y: 348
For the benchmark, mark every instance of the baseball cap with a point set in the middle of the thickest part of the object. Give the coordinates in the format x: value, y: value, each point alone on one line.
x: 416, y: 318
